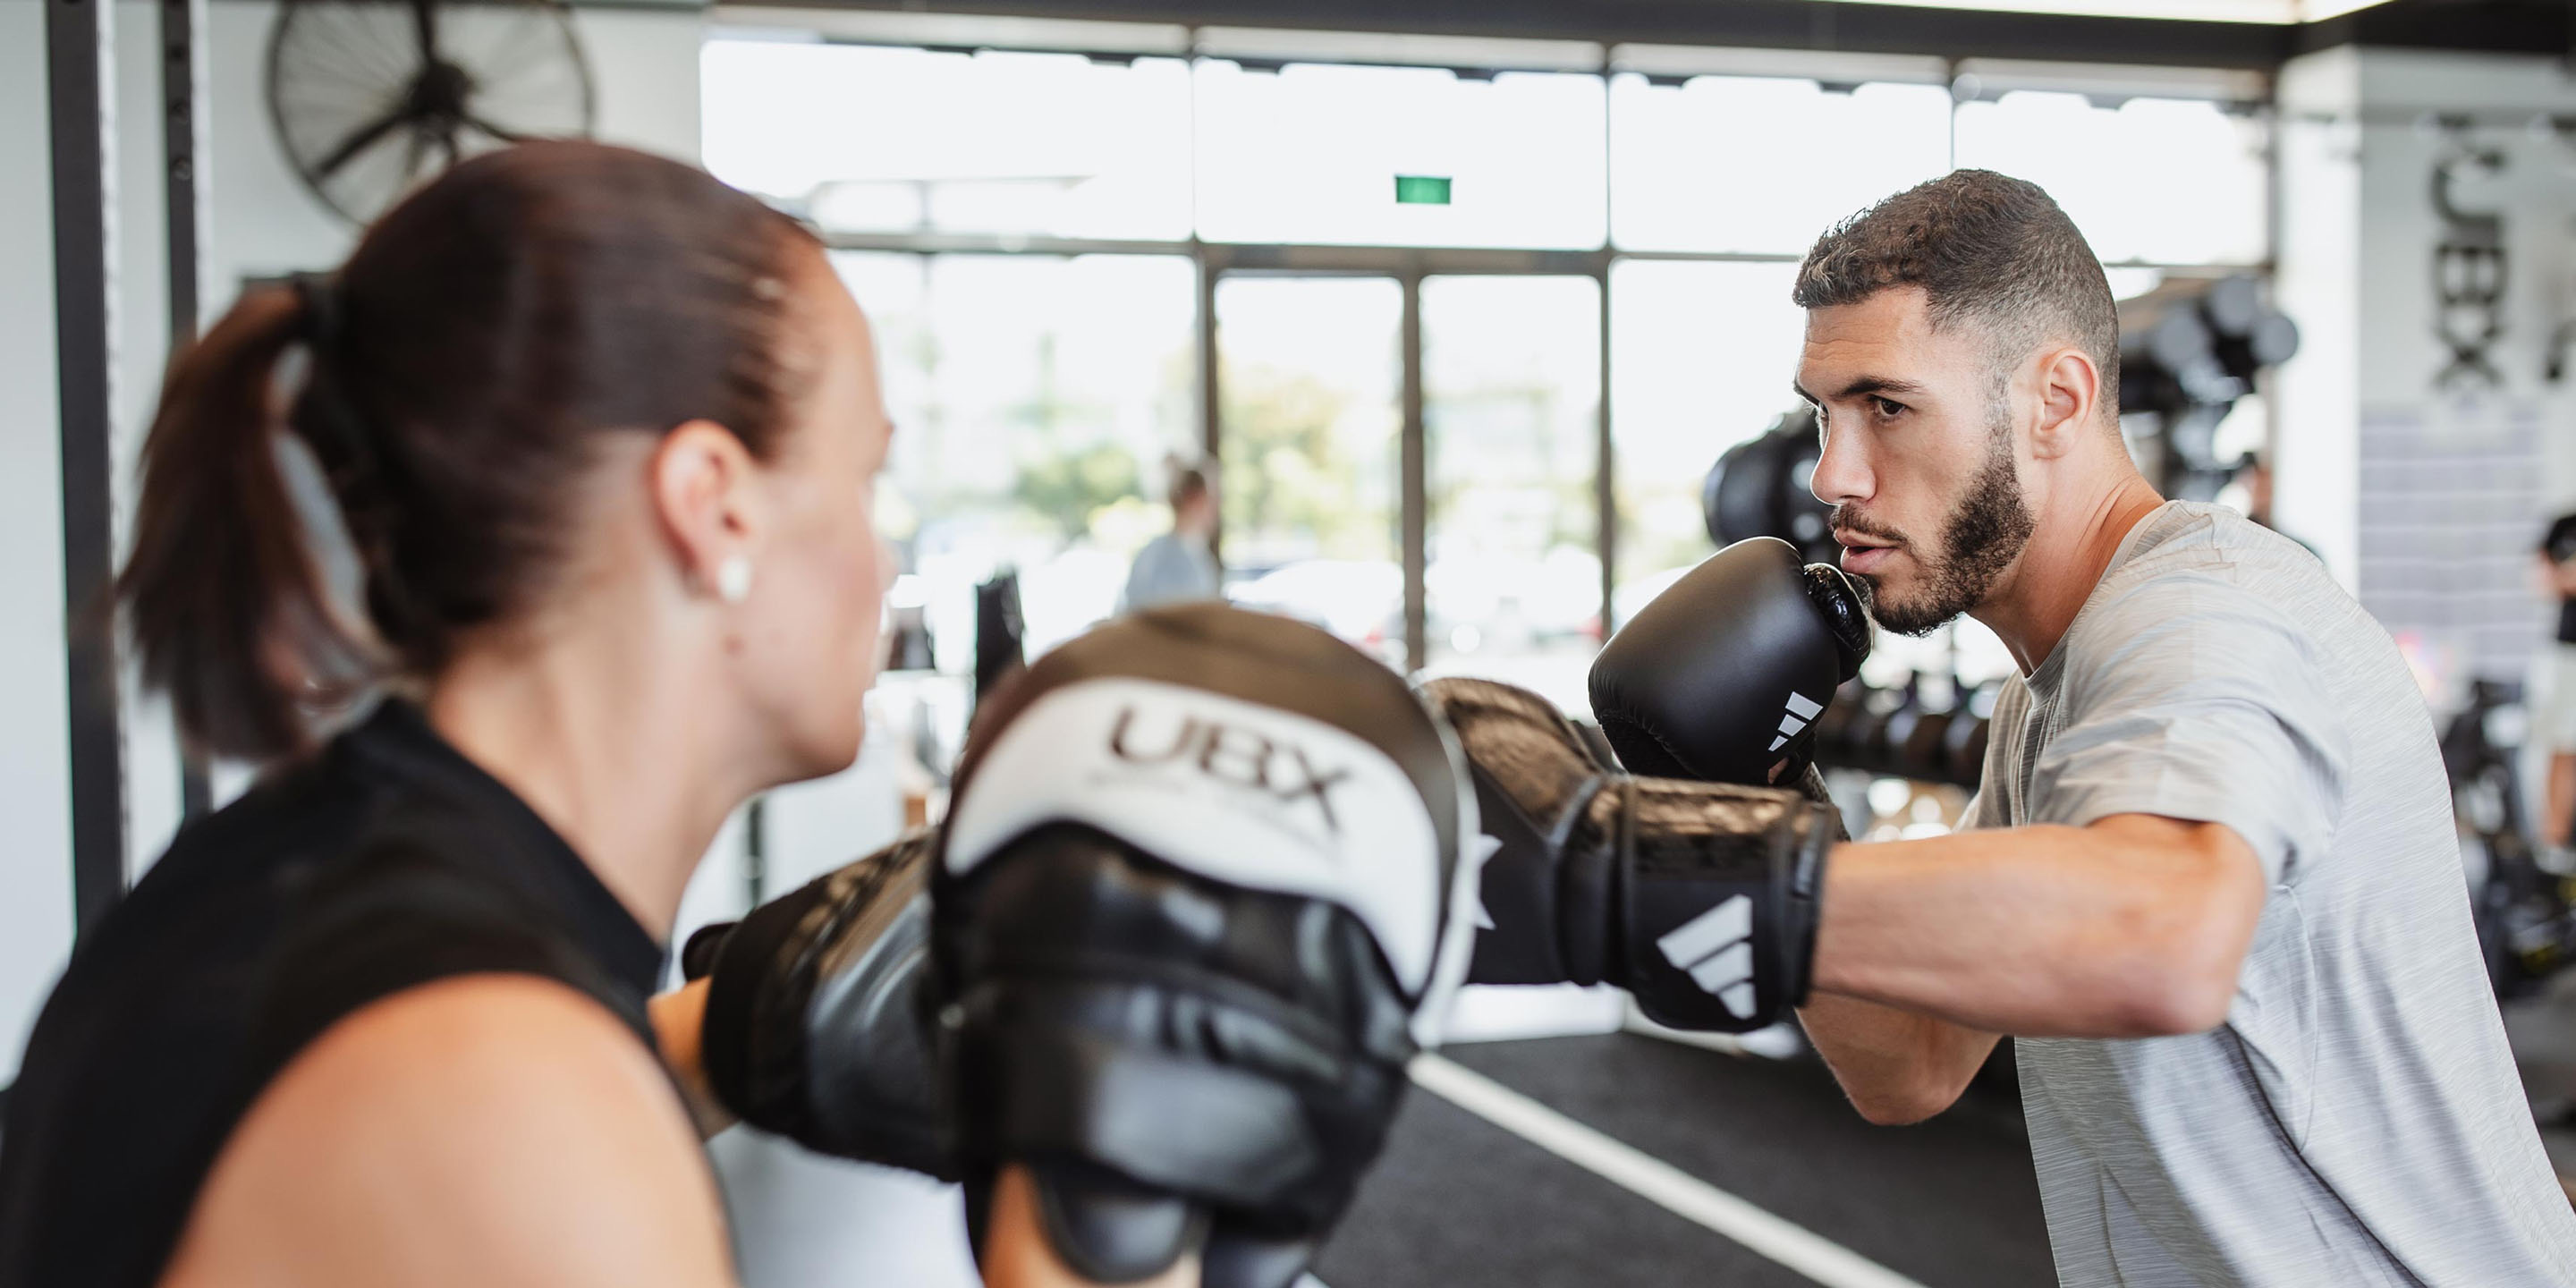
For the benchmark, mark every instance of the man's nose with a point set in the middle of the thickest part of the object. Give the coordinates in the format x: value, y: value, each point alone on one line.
x: 1841, y: 473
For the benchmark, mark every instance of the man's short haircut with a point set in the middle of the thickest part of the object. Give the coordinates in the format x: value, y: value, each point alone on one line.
x: 1987, y: 249
x: 1189, y: 483
x: 2558, y: 545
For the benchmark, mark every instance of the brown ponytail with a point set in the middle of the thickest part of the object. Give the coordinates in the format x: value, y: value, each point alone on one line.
x: 223, y: 598
x: 458, y: 368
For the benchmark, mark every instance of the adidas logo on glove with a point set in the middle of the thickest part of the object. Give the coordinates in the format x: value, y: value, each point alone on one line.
x: 1801, y: 710
x: 1716, y: 949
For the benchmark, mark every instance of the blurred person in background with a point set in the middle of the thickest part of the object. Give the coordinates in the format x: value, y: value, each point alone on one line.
x: 1179, y: 567
x: 2556, y: 727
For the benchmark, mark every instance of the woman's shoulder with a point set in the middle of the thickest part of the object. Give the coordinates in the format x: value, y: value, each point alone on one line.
x: 476, y: 1128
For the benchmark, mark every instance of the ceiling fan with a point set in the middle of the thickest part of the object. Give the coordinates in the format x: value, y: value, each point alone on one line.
x: 370, y: 98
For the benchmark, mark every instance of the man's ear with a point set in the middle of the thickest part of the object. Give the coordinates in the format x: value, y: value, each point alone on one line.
x: 2070, y: 401
x: 707, y: 499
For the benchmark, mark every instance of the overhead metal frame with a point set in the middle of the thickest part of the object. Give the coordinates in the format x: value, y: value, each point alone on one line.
x: 1803, y: 25
x: 77, y: 38
x: 1793, y: 27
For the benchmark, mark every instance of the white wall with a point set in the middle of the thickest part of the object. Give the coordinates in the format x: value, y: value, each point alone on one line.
x: 265, y: 223
x: 2426, y: 501
x: 2318, y: 284
x: 35, y: 868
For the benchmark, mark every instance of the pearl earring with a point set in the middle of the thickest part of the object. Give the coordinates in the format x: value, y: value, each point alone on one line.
x: 733, y: 579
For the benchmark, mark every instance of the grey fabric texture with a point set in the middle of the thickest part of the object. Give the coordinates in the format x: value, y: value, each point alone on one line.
x: 2358, y: 1119
x: 1173, y: 568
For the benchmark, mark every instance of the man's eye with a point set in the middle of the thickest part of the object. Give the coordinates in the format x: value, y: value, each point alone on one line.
x: 1886, y: 407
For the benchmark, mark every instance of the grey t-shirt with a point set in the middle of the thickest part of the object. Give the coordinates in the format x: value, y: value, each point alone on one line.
x: 2358, y: 1119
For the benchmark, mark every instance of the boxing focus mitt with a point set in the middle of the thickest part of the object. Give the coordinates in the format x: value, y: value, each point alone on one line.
x: 1205, y: 885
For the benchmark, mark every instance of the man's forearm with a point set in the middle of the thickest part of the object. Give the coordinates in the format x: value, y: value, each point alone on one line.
x: 1897, y: 1066
x: 2133, y: 926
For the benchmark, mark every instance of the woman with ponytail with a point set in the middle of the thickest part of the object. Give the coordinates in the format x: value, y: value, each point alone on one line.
x: 601, y: 436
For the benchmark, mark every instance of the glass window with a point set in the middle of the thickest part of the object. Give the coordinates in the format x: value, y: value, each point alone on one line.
x: 1310, y: 383
x: 1727, y: 163
x: 1511, y: 393
x: 1701, y: 358
x: 1035, y: 401
x: 2209, y: 198
x: 1312, y: 154
x: 868, y: 139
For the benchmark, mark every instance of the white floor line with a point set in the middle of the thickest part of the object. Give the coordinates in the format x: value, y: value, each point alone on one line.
x: 1653, y: 1179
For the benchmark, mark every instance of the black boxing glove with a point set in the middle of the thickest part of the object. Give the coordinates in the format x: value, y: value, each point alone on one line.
x: 820, y: 1020
x: 1699, y: 899
x: 1722, y: 676
x: 1205, y: 885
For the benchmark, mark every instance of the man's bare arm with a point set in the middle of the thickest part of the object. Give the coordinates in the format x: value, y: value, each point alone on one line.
x: 1897, y: 1066
x: 2134, y: 926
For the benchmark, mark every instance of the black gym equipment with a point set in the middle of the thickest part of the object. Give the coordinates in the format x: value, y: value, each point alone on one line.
x: 76, y: 37
x: 2525, y: 922
x: 371, y: 98
x: 1000, y: 634
x: 2188, y: 350
x: 1932, y: 730
x: 1758, y: 488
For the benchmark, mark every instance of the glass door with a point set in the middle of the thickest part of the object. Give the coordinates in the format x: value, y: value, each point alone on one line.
x: 1310, y: 428
x: 1511, y: 410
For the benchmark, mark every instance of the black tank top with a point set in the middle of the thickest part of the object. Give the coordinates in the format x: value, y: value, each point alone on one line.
x: 387, y: 861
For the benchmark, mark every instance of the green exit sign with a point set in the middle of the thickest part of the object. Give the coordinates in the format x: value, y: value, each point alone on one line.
x: 1421, y: 190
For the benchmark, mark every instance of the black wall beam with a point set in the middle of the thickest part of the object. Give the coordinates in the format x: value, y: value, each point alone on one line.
x: 1413, y: 475
x: 2478, y: 26
x: 76, y: 42
x: 2499, y: 26
x: 182, y: 218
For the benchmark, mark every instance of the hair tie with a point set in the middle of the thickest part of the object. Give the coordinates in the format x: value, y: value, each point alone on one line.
x: 333, y: 428
x: 324, y: 389
x: 321, y: 301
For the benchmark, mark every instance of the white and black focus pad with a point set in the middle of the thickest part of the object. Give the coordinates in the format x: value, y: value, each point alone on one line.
x: 1203, y: 883
x: 1721, y: 677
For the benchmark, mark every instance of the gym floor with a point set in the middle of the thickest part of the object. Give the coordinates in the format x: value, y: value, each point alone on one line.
x: 1619, y: 1161
x: 1533, y: 1163
x: 1767, y: 1149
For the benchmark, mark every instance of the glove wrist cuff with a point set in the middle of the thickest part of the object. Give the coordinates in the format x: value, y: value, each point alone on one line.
x: 1718, y: 903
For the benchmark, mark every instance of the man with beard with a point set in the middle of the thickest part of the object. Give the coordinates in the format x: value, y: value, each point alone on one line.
x: 2210, y: 883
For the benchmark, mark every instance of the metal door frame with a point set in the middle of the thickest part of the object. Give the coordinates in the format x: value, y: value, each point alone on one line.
x: 1408, y: 267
